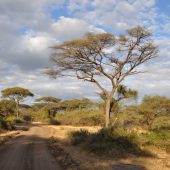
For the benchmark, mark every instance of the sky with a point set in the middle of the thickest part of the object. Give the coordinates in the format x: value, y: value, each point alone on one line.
x: 29, y: 27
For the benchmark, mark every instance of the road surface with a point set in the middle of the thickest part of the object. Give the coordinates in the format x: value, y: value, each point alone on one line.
x: 28, y: 151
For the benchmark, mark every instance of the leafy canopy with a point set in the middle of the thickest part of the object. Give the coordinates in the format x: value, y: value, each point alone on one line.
x: 16, y: 93
x: 48, y: 99
x: 103, y: 55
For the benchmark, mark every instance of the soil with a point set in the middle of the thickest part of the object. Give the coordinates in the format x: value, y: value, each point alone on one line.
x: 28, y: 151
x: 90, y: 161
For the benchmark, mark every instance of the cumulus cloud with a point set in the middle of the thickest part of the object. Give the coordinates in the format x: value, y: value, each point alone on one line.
x: 69, y: 28
x: 27, y: 30
x: 115, y: 14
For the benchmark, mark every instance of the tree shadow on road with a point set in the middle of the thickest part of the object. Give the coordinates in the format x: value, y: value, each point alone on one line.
x: 122, y: 166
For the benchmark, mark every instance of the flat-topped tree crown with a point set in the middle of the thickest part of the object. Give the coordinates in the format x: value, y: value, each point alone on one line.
x: 104, y: 57
x: 48, y: 99
x: 17, y: 94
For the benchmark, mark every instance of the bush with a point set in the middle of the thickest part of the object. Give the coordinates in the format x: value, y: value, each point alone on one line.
x: 14, y: 119
x: 27, y: 118
x: 157, y: 137
x: 107, y: 141
x: 6, y: 124
x: 52, y: 121
x: 40, y: 115
x: 78, y: 137
x: 81, y: 117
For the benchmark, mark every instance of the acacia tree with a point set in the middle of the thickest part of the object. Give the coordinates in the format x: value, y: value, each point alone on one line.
x: 99, y: 58
x: 122, y: 93
x: 48, y: 99
x: 16, y: 94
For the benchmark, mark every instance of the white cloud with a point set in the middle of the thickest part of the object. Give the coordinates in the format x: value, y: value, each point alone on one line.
x: 27, y: 30
x: 69, y: 28
x: 114, y: 13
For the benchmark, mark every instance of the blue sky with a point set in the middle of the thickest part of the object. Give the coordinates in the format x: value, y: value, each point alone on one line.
x: 28, y: 28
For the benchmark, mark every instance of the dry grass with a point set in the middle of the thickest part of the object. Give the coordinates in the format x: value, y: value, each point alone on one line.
x: 62, y: 131
x: 90, y: 161
x: 7, y: 135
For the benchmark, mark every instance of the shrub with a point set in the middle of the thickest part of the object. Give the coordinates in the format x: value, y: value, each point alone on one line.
x: 157, y: 137
x: 81, y: 117
x: 27, y: 118
x: 78, y: 137
x: 107, y: 141
x: 14, y: 119
x: 6, y: 124
x: 40, y: 115
x: 52, y: 121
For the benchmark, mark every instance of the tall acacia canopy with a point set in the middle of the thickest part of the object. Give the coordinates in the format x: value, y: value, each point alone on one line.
x: 16, y: 94
x: 99, y: 58
x: 48, y: 99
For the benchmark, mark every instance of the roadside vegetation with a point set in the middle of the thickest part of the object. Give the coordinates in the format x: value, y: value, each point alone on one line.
x: 133, y: 127
x: 10, y: 107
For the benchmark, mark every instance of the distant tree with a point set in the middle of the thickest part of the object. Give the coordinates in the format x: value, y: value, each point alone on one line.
x: 7, y: 107
x: 160, y: 104
x: 48, y: 99
x: 16, y: 94
x: 73, y: 104
x: 99, y: 58
x: 152, y: 107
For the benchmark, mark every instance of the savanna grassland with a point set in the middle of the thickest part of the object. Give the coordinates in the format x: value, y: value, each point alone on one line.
x: 138, y: 133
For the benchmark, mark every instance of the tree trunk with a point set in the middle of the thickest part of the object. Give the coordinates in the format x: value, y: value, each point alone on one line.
x: 107, y: 112
x: 17, y: 108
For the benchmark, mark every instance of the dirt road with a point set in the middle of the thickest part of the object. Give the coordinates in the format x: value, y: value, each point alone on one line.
x: 28, y: 151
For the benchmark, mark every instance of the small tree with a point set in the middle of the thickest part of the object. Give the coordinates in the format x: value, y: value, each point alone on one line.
x: 7, y: 107
x: 16, y: 94
x: 152, y: 107
x: 48, y: 99
x: 99, y: 58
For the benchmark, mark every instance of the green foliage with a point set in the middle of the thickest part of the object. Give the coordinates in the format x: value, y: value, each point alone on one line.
x: 6, y: 124
x: 114, y: 105
x: 157, y: 137
x: 77, y: 137
x: 16, y: 93
x: 14, y: 119
x: 75, y: 104
x: 38, y: 106
x: 152, y: 108
x: 7, y: 107
x: 48, y: 99
x: 40, y: 116
x: 82, y: 117
x: 159, y: 104
x: 107, y: 141
x: 49, y: 107
x: 124, y: 92
x: 27, y: 118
